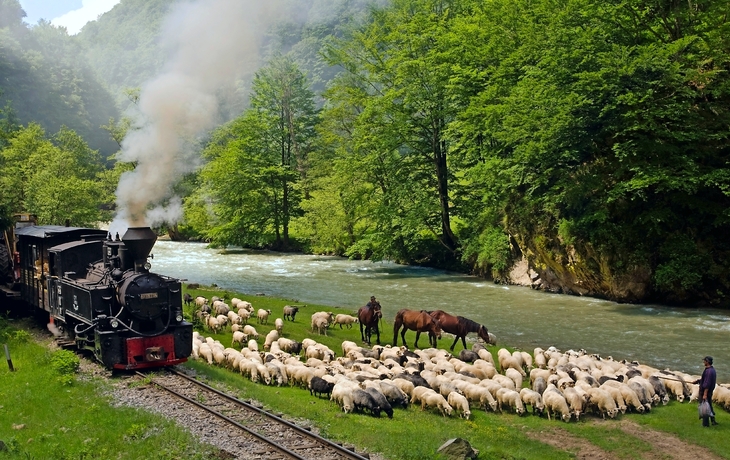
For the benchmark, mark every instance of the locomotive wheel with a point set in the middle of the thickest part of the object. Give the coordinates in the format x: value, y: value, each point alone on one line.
x: 6, y: 267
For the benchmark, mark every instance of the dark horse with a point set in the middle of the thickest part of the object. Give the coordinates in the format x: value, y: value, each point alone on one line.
x: 419, y: 321
x: 368, y: 317
x: 459, y: 326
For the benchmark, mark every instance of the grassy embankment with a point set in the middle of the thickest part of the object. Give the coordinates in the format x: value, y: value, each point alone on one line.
x: 75, y: 421
x: 48, y: 413
x: 413, y: 434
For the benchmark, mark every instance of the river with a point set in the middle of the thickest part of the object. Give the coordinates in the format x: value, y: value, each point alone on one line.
x: 664, y: 337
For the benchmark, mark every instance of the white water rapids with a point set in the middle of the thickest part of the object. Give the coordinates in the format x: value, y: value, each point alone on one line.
x: 665, y: 337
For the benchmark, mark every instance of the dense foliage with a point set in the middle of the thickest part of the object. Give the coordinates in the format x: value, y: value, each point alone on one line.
x: 45, y: 78
x: 588, y: 138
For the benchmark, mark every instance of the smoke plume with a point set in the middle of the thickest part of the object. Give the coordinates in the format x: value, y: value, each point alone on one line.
x: 212, y: 43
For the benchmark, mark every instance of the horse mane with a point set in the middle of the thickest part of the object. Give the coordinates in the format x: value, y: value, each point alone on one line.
x: 472, y: 326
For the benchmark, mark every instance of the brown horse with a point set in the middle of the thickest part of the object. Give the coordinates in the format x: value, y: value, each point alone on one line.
x: 419, y: 321
x: 459, y: 326
x: 368, y: 317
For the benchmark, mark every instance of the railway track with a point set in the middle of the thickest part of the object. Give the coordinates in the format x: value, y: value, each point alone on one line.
x: 253, y: 432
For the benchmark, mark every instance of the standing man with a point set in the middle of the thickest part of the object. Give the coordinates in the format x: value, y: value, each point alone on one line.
x: 707, y: 386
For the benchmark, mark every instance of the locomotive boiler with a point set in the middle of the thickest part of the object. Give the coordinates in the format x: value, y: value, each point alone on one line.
x: 99, y: 292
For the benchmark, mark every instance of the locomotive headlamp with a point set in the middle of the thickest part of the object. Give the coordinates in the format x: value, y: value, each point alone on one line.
x: 114, y: 323
x: 179, y: 318
x: 147, y: 265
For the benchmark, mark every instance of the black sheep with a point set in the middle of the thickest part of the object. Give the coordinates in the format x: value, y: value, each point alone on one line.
x: 468, y: 356
x: 362, y: 400
x: 381, y: 400
x: 415, y: 379
x: 319, y: 386
x: 290, y: 312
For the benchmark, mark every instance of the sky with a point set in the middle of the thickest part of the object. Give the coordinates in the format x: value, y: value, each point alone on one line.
x: 72, y: 14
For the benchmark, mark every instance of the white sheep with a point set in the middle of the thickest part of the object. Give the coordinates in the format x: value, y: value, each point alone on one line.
x: 272, y: 336
x: 320, y: 325
x: 555, y: 403
x: 510, y: 398
x: 250, y: 331
x: 244, y: 315
x: 602, y: 401
x: 263, y: 316
x: 515, y: 376
x: 347, y: 320
x: 279, y: 325
x: 238, y: 338
x: 460, y: 404
x: 434, y: 399
x: 533, y: 399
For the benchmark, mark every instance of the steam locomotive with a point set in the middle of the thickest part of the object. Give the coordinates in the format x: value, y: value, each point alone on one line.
x: 99, y: 292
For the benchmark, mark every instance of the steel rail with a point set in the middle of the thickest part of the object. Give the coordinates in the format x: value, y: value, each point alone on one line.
x: 341, y: 450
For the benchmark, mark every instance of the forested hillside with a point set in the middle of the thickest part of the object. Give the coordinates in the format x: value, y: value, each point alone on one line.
x: 586, y: 143
x: 44, y: 78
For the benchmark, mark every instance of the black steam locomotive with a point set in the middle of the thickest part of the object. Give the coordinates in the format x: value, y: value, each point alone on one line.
x: 99, y: 293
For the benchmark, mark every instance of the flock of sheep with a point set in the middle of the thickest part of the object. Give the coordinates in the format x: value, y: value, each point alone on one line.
x: 558, y: 384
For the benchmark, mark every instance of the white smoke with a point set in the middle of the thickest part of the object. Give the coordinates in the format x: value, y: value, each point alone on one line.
x: 212, y: 43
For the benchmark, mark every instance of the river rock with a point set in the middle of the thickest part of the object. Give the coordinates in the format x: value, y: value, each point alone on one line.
x: 457, y: 449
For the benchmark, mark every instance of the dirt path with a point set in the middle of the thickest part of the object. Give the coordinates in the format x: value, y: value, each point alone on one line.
x: 563, y: 440
x: 664, y: 445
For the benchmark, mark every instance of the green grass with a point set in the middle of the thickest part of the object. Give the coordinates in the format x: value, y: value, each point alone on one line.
x: 45, y: 416
x: 73, y: 419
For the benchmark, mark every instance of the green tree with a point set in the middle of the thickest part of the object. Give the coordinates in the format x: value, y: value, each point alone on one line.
x: 257, y: 162
x: 57, y: 182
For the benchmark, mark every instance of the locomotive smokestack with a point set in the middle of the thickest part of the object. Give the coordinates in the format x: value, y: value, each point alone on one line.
x: 139, y: 242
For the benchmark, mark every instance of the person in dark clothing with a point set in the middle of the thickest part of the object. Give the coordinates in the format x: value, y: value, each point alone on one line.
x: 372, y: 302
x: 707, y: 386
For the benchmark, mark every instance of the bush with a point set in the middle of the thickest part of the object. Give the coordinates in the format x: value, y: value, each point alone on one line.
x: 65, y: 362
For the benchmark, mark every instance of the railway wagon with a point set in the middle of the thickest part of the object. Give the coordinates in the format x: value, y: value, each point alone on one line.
x: 99, y: 293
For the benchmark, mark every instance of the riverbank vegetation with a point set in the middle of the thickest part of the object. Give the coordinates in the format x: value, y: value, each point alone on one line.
x: 588, y: 139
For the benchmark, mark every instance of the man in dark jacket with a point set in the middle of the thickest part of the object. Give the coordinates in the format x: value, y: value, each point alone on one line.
x: 707, y: 386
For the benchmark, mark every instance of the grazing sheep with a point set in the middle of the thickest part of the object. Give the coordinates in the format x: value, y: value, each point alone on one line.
x: 290, y: 312
x: 381, y: 400
x: 533, y: 399
x: 318, y: 387
x: 434, y: 399
x: 263, y: 316
x: 290, y: 346
x: 362, y: 400
x: 460, y: 404
x: 279, y: 324
x: 555, y: 403
x: 515, y: 376
x: 249, y: 331
x: 320, y: 325
x: 510, y: 398
x: 342, y: 394
x: 244, y: 315
x: 238, y: 338
x: 539, y: 385
x: 271, y: 337
x: 200, y: 301
x: 575, y: 401
x: 468, y: 356
x: 347, y: 320
x: 602, y: 401
x: 617, y: 397
x: 394, y: 395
